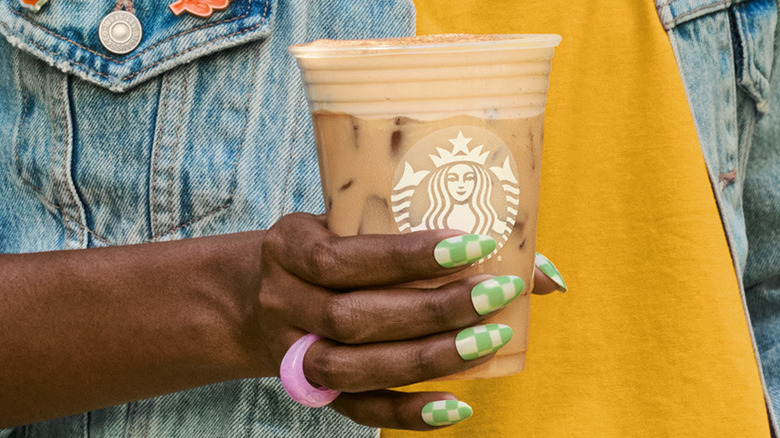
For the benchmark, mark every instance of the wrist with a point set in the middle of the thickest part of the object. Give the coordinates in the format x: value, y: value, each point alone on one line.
x: 233, y: 264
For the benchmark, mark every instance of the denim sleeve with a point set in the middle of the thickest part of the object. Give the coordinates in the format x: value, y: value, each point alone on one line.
x: 728, y: 56
x: 762, y: 217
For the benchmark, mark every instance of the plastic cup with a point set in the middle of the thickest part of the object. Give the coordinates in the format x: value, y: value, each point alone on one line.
x: 441, y: 131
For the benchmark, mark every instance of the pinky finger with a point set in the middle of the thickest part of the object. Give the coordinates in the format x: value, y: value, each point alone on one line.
x: 402, y: 410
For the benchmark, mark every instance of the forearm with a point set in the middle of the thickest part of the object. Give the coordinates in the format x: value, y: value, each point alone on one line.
x: 91, y: 328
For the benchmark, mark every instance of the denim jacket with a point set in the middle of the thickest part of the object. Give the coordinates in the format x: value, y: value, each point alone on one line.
x: 202, y: 129
x: 727, y: 52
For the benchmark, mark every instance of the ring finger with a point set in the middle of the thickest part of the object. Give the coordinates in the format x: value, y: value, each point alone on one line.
x: 367, y: 367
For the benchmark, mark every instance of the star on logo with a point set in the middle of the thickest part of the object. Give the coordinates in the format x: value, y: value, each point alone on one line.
x: 460, y: 143
x: 460, y: 152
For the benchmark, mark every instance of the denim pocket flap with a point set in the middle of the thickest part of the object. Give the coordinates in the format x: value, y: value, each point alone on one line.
x: 64, y: 33
x: 675, y: 12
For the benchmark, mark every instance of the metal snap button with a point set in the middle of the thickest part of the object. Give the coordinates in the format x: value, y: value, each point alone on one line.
x: 120, y: 32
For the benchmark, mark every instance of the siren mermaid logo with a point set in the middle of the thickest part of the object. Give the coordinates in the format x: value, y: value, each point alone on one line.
x: 444, y: 182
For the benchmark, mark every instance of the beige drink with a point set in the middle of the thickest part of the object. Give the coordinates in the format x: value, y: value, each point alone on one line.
x: 436, y: 132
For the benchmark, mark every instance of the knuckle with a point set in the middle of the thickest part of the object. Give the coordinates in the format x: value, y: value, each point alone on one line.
x: 277, y: 237
x: 341, y: 319
x: 268, y: 302
x: 438, y: 309
x: 329, y: 370
x: 423, y: 362
x: 274, y: 241
x: 324, y: 262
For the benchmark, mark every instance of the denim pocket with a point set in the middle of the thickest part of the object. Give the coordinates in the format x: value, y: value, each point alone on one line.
x: 64, y: 33
x: 39, y: 129
x: 753, y: 30
x: 752, y: 24
x: 146, y: 143
x: 200, y: 135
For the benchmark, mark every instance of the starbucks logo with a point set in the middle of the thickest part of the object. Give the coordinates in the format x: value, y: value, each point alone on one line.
x: 445, y: 182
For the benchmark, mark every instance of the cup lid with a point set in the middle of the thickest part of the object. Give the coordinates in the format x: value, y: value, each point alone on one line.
x: 423, y: 44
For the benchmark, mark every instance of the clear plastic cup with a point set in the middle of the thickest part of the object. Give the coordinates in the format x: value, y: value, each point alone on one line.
x: 440, y: 131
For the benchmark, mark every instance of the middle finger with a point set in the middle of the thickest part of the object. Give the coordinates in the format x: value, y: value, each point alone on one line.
x: 367, y: 316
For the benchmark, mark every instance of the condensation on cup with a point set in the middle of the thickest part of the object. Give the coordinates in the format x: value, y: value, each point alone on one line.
x: 439, y: 131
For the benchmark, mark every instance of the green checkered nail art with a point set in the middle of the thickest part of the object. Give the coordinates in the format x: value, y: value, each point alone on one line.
x: 463, y: 250
x: 545, y: 265
x: 475, y: 342
x: 495, y: 293
x: 445, y: 412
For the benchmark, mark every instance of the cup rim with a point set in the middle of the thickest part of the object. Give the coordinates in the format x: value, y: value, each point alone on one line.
x: 353, y: 48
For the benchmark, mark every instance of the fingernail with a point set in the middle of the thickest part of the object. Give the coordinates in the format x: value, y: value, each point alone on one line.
x: 463, y: 250
x: 495, y: 293
x: 475, y: 342
x: 445, y: 412
x: 545, y: 265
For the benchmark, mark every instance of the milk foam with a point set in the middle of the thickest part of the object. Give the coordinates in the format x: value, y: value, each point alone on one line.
x: 429, y: 77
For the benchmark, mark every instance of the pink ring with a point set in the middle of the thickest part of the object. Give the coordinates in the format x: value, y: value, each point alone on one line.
x: 294, y: 381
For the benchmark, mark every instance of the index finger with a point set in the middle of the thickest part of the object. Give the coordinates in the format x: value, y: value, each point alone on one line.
x: 303, y: 246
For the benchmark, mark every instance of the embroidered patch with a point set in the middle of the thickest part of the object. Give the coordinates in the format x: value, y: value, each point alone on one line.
x: 201, y: 8
x: 33, y: 5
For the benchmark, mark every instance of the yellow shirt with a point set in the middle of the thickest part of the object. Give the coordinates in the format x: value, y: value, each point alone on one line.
x: 651, y: 339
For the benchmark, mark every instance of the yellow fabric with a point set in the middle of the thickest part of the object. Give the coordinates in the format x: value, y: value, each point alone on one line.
x: 651, y: 339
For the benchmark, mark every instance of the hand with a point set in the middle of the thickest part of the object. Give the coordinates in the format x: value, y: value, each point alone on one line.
x: 103, y: 326
x: 379, y: 335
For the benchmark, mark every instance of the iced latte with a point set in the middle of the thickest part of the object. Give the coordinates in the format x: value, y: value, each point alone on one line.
x: 436, y: 132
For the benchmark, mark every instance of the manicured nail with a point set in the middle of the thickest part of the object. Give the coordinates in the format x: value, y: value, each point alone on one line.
x: 545, y: 265
x: 495, y: 293
x: 445, y: 412
x: 475, y: 342
x: 462, y: 250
